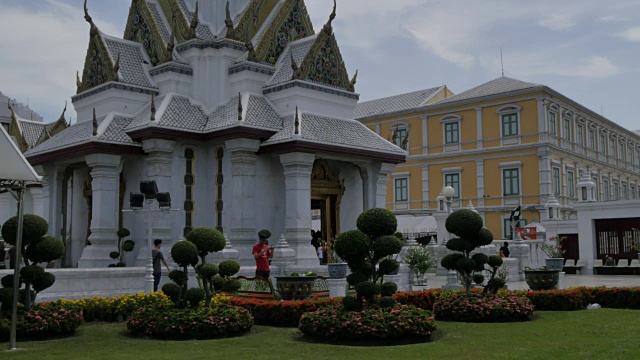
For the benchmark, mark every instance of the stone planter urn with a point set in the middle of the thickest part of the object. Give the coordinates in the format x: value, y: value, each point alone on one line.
x: 295, y: 287
x: 337, y: 270
x: 554, y: 263
x: 542, y: 279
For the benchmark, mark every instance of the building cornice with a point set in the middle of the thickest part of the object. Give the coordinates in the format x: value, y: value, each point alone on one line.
x: 310, y: 147
x: 114, y: 85
x: 311, y: 86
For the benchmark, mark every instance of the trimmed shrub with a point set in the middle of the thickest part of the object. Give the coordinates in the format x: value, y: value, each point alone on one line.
x: 7, y: 281
x: 114, y: 255
x: 387, y: 302
x: 123, y: 232
x: 33, y: 228
x: 128, y: 245
x: 388, y: 288
x: 43, y: 321
x: 207, y: 239
x: 352, y: 246
x: 282, y: 313
x: 207, y: 270
x: 228, y: 268
x: 31, y: 273
x: 166, y: 322
x: 387, y: 266
x: 44, y: 282
x: 385, y: 246
x: 231, y: 285
x: 337, y: 325
x: 179, y: 277
x: 264, y: 233
x: 184, y: 253
x: 194, y: 296
x: 366, y: 290
x: 464, y: 222
x: 349, y: 303
x: 377, y: 222
x: 172, y: 291
x: 475, y: 307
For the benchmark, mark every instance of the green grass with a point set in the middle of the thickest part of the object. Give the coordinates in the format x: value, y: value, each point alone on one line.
x: 597, y: 334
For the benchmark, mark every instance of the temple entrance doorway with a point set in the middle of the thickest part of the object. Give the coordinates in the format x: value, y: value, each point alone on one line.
x: 326, y: 194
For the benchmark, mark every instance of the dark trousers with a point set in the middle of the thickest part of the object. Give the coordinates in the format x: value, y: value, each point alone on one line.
x: 156, y: 280
x: 263, y: 274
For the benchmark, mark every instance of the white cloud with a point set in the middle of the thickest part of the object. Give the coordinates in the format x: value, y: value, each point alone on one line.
x: 631, y: 34
x: 556, y: 22
x: 39, y: 62
x: 526, y: 65
x: 611, y: 18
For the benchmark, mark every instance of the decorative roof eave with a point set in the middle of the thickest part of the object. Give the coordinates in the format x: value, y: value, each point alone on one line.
x: 85, y: 148
x: 114, y: 85
x: 311, y: 86
x: 156, y: 132
x: 252, y: 66
x: 314, y: 148
x: 171, y: 67
x: 211, y: 44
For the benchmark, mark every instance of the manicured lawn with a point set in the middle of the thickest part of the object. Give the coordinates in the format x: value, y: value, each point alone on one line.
x: 588, y: 334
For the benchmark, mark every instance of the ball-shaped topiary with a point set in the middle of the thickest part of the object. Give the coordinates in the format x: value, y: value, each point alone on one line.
x: 231, y: 285
x: 218, y: 282
x: 47, y: 249
x: 7, y: 281
x: 123, y: 232
x: 45, y: 282
x: 388, y: 266
x: 349, y: 303
x: 352, y: 246
x: 449, y: 261
x: 388, y: 288
x: 128, y: 245
x: 264, y: 233
x: 194, y: 296
x: 465, y: 264
x: 172, y: 291
x: 366, y: 289
x: 184, y: 253
x: 377, y: 222
x: 458, y: 244
x: 478, y: 278
x: 495, y: 261
x: 33, y: 228
x: 228, y: 268
x: 387, y: 302
x: 464, y: 222
x: 385, y: 246
x: 179, y: 277
x: 31, y: 273
x: 6, y: 298
x: 114, y: 255
x: 485, y: 237
x: 356, y: 278
x: 208, y: 271
x: 207, y: 239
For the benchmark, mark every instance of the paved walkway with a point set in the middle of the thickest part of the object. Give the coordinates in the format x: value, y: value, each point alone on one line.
x: 569, y: 281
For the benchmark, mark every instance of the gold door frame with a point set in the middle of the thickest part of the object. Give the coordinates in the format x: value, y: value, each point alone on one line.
x: 323, y: 184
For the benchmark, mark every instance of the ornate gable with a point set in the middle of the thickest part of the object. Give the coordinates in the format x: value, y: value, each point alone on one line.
x: 178, y: 19
x: 252, y: 19
x: 142, y: 28
x: 323, y: 63
x: 98, y: 65
x: 289, y: 24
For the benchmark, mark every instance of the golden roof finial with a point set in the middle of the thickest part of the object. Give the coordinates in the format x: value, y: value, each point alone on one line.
x: 229, y: 23
x: 61, y: 118
x: 327, y: 27
x: 252, y: 51
x: 78, y: 81
x: 89, y: 19
x: 153, y: 108
x: 355, y: 77
x: 239, y: 107
x: 395, y: 135
x: 296, y: 123
x: 194, y: 21
x: 95, y: 123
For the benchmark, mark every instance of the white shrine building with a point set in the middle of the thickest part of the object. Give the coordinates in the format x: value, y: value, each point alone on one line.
x: 241, y: 111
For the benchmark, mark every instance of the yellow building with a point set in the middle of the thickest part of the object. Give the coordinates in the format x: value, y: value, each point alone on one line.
x: 502, y: 144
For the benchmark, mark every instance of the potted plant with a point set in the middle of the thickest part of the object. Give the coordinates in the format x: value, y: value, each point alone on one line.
x: 336, y: 266
x: 419, y: 260
x: 555, y: 253
x: 541, y: 278
x: 296, y: 286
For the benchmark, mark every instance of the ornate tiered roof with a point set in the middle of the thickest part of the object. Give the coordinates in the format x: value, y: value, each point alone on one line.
x: 30, y: 134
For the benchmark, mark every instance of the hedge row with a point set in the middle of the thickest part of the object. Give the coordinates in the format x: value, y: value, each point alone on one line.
x: 282, y: 313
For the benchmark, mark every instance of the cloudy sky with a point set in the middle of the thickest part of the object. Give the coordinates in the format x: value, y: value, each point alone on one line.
x: 587, y: 50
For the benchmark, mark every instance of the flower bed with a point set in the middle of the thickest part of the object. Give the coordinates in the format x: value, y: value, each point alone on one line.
x: 501, y: 307
x: 401, y: 322
x: 45, y: 320
x: 281, y: 313
x: 420, y: 299
x: 166, y: 322
x: 111, y: 309
x: 558, y: 300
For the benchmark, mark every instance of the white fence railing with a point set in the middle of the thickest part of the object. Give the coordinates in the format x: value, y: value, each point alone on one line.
x: 536, y: 256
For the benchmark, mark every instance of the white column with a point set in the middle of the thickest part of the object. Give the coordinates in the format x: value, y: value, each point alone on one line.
x: 425, y: 134
x: 425, y: 186
x: 159, y: 162
x: 544, y: 173
x: 104, y: 221
x: 242, y: 229
x: 479, y: 127
x: 480, y: 181
x: 297, y: 172
x: 542, y: 119
x: 38, y: 203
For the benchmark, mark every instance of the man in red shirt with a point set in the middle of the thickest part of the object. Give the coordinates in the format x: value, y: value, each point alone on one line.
x: 262, y: 253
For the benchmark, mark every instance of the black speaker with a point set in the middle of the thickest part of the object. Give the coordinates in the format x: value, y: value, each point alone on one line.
x: 136, y: 200
x: 164, y: 200
x: 149, y: 189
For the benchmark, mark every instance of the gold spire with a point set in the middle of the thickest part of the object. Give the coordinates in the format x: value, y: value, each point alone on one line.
x: 355, y: 76
x: 61, y: 118
x: 153, y: 108
x: 194, y: 21
x: 239, y: 107
x: 327, y: 27
x: 171, y: 44
x: 296, y: 123
x: 294, y: 67
x: 89, y: 19
x: 78, y: 81
x: 229, y: 23
x: 95, y: 123
x: 252, y: 52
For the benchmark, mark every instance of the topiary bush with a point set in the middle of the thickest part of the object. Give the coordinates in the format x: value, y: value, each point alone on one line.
x: 123, y: 247
x: 467, y: 225
x: 33, y: 228
x: 194, y: 296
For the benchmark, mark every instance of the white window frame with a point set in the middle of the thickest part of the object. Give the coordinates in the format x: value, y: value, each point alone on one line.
x: 511, y: 199
x: 445, y: 174
x: 622, y: 149
x: 395, y: 188
x: 566, y: 128
x: 571, y: 185
x: 592, y: 140
x: 613, y: 148
x: 580, y: 134
x: 603, y: 144
x: 448, y: 119
x: 508, y: 110
x: 556, y: 181
x: 606, y: 190
x: 616, y: 189
x: 553, y: 118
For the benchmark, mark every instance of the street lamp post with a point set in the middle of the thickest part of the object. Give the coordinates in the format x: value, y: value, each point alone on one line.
x: 449, y: 192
